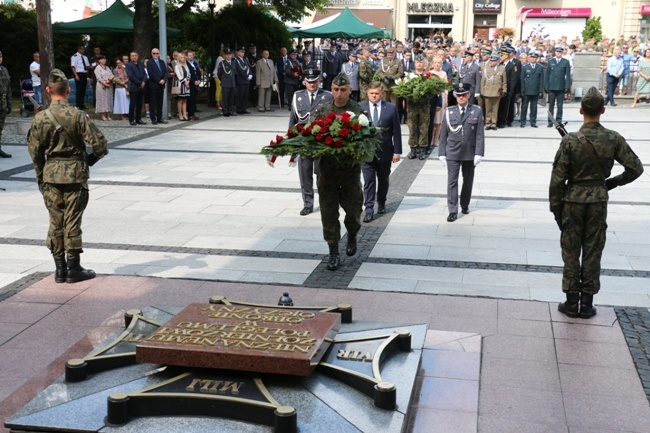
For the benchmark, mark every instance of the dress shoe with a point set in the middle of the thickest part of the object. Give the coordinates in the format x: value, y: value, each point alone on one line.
x: 381, y: 209
x: 614, y: 105
x: 132, y: 122
x: 452, y: 217
x: 154, y: 122
x: 246, y: 112
x: 233, y: 114
x: 550, y: 125
x: 270, y: 109
x: 465, y: 210
x: 226, y: 114
x: 523, y: 125
x: 351, y: 247
x: 162, y: 121
x: 4, y: 154
x: 243, y: 112
x: 194, y: 117
x: 428, y: 150
x: 140, y: 122
x: 261, y: 111
x: 571, y: 306
x: 509, y: 125
x: 533, y: 126
x: 334, y: 260
x: 368, y: 217
x: 306, y: 211
x: 198, y: 111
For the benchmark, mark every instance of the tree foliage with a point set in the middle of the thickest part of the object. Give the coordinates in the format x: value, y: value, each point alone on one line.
x: 593, y: 29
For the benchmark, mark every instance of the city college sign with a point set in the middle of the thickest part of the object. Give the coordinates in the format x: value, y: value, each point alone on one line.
x: 487, y: 6
x: 432, y: 8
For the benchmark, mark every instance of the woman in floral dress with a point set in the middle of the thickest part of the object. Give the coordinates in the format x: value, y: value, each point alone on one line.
x: 104, y: 89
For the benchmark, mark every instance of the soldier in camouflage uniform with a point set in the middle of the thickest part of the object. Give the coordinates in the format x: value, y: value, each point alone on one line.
x: 57, y: 144
x: 417, y: 116
x: 365, y: 73
x: 389, y: 71
x: 5, y: 102
x: 578, y: 199
x: 340, y: 182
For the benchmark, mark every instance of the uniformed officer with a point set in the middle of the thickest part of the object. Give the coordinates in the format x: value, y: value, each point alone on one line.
x: 390, y: 70
x: 243, y: 76
x: 532, y: 88
x: 418, y: 116
x: 365, y: 73
x: 57, y: 143
x: 351, y: 69
x: 507, y: 104
x: 578, y: 194
x: 5, y: 102
x: 80, y: 65
x: 303, y: 106
x: 470, y: 73
x: 340, y: 182
x: 493, y: 87
x: 558, y: 82
x: 226, y: 75
x: 462, y: 146
x: 292, y: 76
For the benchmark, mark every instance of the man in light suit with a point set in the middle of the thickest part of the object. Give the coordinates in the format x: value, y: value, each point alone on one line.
x: 303, y: 106
x: 377, y: 172
x: 157, y: 72
x: 462, y: 145
x: 264, y: 80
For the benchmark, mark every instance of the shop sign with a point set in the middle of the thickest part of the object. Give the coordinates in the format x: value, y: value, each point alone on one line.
x: 431, y: 8
x: 487, y: 6
x: 645, y: 9
x: 556, y: 12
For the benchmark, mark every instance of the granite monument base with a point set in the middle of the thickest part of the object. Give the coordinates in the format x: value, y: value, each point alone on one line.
x: 326, y: 401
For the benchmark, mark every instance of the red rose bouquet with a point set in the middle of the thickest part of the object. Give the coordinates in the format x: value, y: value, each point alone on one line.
x: 347, y: 136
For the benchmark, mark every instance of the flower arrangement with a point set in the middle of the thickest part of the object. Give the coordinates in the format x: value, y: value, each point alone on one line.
x: 503, y: 32
x: 420, y: 87
x: 347, y: 135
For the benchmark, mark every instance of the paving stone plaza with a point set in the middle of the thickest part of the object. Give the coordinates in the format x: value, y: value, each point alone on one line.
x: 188, y: 210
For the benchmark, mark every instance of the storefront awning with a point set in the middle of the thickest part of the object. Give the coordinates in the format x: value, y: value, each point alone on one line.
x: 375, y: 17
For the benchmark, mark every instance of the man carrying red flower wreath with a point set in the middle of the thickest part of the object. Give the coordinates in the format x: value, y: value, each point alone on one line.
x: 340, y: 181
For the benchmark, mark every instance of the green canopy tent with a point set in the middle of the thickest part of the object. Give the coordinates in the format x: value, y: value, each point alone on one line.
x: 116, y: 19
x: 342, y: 25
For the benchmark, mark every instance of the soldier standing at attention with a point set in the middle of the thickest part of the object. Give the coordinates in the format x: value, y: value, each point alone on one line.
x: 462, y: 145
x: 532, y: 88
x: 470, y: 73
x: 578, y: 199
x: 5, y: 102
x: 57, y: 145
x: 493, y: 85
x: 303, y: 106
x: 558, y: 82
x: 390, y: 70
x: 365, y: 73
x: 418, y: 117
x: 340, y: 182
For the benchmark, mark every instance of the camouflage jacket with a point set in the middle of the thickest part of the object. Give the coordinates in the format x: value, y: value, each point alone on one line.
x: 5, y: 88
x: 575, y: 179
x: 60, y: 155
x: 365, y: 71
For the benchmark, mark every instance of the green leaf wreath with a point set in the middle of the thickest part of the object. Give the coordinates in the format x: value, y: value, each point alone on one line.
x: 419, y: 87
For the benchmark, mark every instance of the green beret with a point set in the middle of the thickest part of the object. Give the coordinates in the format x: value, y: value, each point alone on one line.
x: 593, y: 98
x: 57, y: 76
x: 420, y: 58
x: 341, y: 80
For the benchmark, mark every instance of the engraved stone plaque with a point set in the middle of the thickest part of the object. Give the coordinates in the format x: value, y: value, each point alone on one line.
x: 245, y: 338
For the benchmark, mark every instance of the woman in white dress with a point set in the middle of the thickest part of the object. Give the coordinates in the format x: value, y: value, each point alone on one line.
x: 104, y: 89
x: 121, y: 81
x: 441, y: 101
x: 181, y: 87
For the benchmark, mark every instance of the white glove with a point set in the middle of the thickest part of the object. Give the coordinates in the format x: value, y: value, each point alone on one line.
x: 250, y: 77
x: 324, y: 75
x: 477, y: 160
x: 292, y: 163
x: 443, y: 160
x: 476, y: 95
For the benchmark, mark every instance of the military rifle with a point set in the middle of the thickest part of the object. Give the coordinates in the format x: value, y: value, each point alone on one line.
x: 558, y: 126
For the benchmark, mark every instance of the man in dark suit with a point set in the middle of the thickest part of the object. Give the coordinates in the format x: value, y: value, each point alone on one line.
x: 377, y: 172
x: 157, y: 71
x: 280, y: 64
x: 228, y: 84
x: 242, y: 76
x: 408, y: 65
x: 507, y: 103
x: 137, y: 79
x: 532, y: 88
x: 303, y: 106
x: 331, y: 66
x: 195, y: 81
x: 462, y: 145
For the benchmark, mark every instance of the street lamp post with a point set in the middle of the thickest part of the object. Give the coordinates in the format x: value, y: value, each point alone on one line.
x: 211, y: 87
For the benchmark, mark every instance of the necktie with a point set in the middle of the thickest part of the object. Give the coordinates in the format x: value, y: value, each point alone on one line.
x: 312, y: 98
x: 462, y: 111
x: 375, y: 115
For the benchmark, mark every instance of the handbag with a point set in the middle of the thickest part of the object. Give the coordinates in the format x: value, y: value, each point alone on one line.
x: 176, y: 87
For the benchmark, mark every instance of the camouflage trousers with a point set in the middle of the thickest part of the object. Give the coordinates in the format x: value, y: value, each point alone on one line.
x: 66, y: 204
x: 339, y: 185
x: 418, y: 118
x: 3, y: 116
x: 584, y: 226
x: 363, y: 91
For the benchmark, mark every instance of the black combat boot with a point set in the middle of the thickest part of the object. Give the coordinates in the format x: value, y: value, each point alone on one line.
x: 351, y: 247
x: 570, y: 307
x: 61, y: 271
x: 587, y: 308
x: 75, y: 272
x: 334, y: 261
